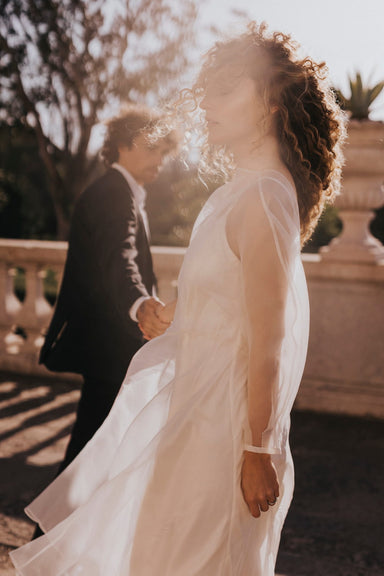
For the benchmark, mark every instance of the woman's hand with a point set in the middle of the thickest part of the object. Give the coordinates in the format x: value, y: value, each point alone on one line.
x: 150, y: 324
x: 167, y: 312
x: 259, y: 482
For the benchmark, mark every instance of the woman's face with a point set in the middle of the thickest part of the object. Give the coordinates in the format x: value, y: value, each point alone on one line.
x: 234, y: 111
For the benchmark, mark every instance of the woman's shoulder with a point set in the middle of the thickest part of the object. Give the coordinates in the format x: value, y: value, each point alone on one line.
x: 264, y: 186
x: 265, y: 198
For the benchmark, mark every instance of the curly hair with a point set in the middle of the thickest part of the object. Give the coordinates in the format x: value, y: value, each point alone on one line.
x: 133, y: 120
x: 310, y: 126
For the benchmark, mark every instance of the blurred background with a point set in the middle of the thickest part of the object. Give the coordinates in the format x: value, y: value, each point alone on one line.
x: 67, y: 66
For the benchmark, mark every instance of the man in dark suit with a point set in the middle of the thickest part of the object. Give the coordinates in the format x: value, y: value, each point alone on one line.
x: 107, y: 302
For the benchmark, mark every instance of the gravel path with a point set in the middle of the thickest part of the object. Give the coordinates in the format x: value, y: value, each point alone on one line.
x: 334, y: 527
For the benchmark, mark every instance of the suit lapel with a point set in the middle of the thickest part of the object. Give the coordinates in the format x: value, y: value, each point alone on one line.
x: 143, y: 221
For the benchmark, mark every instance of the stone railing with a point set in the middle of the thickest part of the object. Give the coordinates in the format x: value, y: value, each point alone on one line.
x: 345, y: 365
x: 22, y: 323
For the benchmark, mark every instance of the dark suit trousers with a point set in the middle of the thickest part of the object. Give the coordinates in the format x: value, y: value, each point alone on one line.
x: 96, y: 400
x: 97, y: 397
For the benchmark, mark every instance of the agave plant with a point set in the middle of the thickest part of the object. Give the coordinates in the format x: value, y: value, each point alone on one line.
x: 361, y: 99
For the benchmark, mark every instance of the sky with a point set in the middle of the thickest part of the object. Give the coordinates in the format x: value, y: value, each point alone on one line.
x: 347, y: 34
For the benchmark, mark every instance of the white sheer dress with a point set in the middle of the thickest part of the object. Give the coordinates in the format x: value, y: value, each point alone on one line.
x: 156, y: 492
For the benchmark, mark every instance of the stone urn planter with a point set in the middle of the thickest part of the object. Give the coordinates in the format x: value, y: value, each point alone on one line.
x: 362, y: 192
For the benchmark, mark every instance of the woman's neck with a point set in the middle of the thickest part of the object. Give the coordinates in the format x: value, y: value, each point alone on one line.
x: 258, y: 156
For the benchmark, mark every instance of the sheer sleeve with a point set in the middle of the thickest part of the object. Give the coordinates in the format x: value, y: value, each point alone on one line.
x: 265, y: 232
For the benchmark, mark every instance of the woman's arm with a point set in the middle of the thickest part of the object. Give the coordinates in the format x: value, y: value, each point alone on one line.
x: 264, y: 283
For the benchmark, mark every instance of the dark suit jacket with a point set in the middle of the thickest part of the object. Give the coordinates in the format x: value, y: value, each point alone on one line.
x: 108, y: 267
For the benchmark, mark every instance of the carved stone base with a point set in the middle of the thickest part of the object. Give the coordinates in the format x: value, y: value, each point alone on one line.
x: 355, y: 243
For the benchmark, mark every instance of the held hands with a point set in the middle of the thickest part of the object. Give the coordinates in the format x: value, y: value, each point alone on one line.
x: 150, y: 323
x: 167, y: 312
x: 259, y: 482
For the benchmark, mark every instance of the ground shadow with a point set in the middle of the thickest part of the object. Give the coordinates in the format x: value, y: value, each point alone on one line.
x: 332, y: 528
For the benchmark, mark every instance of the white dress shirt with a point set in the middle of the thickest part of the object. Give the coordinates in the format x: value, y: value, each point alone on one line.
x: 140, y: 195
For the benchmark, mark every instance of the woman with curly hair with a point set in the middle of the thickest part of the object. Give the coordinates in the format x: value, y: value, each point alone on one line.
x: 191, y: 474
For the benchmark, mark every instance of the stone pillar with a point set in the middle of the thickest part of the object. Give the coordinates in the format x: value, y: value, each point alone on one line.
x: 362, y: 192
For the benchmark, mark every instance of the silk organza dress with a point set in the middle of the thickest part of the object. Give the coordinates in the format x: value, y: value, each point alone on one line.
x: 157, y: 491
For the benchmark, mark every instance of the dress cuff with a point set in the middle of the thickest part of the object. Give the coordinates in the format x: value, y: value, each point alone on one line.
x: 135, y: 306
x: 260, y: 449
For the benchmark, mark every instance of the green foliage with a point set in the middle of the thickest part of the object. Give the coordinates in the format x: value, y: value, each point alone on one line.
x: 329, y: 225
x: 26, y: 209
x: 377, y: 225
x: 361, y: 98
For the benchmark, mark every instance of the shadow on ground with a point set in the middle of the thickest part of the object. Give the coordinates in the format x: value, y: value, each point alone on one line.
x: 332, y: 529
x: 333, y: 526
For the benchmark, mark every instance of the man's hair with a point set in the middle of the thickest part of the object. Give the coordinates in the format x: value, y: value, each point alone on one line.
x: 132, y: 121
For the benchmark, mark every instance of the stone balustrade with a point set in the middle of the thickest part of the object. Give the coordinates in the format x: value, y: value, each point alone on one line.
x: 345, y: 365
x: 22, y: 323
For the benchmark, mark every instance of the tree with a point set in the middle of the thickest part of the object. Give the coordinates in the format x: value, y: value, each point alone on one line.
x: 63, y: 62
x: 26, y: 209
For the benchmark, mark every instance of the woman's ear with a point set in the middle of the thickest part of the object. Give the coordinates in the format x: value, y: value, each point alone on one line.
x: 274, y: 109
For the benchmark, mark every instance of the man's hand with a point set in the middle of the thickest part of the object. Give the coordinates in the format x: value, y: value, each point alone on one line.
x: 259, y: 482
x: 149, y: 323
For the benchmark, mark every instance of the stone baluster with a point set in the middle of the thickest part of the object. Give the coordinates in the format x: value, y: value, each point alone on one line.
x: 4, y: 321
x: 3, y: 292
x: 12, y: 303
x: 59, y: 273
x: 13, y: 342
x: 35, y: 311
x: 43, y: 308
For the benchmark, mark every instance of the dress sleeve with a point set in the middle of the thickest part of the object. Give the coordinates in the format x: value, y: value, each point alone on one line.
x: 267, y: 237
